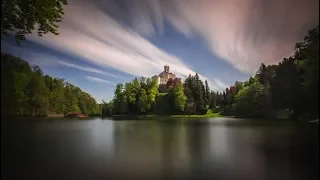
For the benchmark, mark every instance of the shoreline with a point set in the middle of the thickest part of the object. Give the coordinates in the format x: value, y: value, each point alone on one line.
x: 166, y: 116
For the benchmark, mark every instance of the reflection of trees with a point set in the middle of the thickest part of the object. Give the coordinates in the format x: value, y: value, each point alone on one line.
x: 198, y: 140
x: 170, y: 145
x: 137, y: 141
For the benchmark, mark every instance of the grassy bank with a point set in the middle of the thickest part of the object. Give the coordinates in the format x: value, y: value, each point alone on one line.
x: 156, y: 116
x: 207, y: 115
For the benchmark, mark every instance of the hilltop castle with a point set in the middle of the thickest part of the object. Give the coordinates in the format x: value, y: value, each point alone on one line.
x: 163, y: 78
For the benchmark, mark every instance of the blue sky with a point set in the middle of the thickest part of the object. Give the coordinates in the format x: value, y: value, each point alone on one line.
x: 102, y: 43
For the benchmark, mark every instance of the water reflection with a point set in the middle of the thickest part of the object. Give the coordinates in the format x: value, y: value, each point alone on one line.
x: 215, y: 148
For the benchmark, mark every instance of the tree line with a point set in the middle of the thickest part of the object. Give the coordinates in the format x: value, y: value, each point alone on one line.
x: 292, y: 85
x: 26, y: 91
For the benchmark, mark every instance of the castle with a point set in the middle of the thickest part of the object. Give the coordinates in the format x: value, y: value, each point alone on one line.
x: 163, y: 78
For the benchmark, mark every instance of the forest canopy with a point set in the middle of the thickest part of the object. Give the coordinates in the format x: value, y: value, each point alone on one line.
x: 25, y: 90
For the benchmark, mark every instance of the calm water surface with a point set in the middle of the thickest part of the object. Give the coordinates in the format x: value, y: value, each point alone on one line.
x: 216, y: 148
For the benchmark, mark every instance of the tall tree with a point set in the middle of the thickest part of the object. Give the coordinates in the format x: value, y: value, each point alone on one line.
x: 286, y: 89
x: 152, y: 91
x: 120, y: 100
x: 38, y: 101
x: 179, y: 97
x: 143, y: 104
x: 207, y: 92
x: 213, y: 102
x: 250, y: 101
x: 23, y: 17
x: 308, y: 52
x: 198, y: 96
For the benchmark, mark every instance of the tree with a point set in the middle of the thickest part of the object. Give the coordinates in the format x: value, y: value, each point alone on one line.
x: 143, y: 104
x: 37, y: 92
x: 23, y: 17
x: 179, y: 97
x: 264, y: 75
x: 286, y: 88
x: 213, y: 102
x: 249, y: 102
x: 152, y: 91
x: 307, y: 53
x: 119, y: 100
x: 207, y: 92
x: 224, y: 98
x: 261, y: 74
x: 188, y: 95
x: 56, y: 96
x: 107, y: 108
x: 71, y: 100
x: 190, y: 108
x: 198, y: 96
x: 228, y: 96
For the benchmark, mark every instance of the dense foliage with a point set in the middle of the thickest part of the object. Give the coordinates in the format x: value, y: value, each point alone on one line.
x: 137, y: 96
x: 142, y: 96
x: 26, y: 91
x: 292, y: 85
x: 24, y: 16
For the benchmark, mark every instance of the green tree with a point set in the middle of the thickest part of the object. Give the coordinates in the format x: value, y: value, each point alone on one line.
x: 152, y: 92
x: 120, y: 100
x: 213, y: 102
x: 57, y: 96
x: 37, y: 92
x: 22, y: 17
x: 71, y: 99
x: 107, y: 108
x: 178, y: 97
x: 286, y: 87
x: 198, y: 96
x: 207, y: 92
x: 249, y: 101
x: 143, y: 104
x: 307, y: 52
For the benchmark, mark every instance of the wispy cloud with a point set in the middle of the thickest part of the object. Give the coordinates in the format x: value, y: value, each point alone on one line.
x: 242, y: 32
x: 89, y: 69
x: 94, y: 79
x: 100, y: 39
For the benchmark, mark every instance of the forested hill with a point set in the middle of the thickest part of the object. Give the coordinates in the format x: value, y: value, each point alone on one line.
x: 292, y: 85
x: 26, y: 91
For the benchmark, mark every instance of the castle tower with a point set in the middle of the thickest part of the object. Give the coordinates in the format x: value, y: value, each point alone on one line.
x: 166, y: 68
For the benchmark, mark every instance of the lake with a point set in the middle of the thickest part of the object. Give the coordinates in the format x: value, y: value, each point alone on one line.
x: 213, y: 148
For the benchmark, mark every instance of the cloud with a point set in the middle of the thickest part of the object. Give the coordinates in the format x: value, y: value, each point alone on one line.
x: 100, y: 39
x: 89, y: 69
x: 34, y: 58
x: 241, y: 32
x: 94, y: 79
x: 220, y: 83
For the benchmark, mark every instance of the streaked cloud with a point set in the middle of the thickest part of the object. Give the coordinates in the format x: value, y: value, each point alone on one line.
x: 94, y: 79
x: 89, y: 69
x: 100, y: 39
x: 241, y: 32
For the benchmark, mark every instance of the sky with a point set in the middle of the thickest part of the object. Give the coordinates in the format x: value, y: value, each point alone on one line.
x: 106, y: 42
